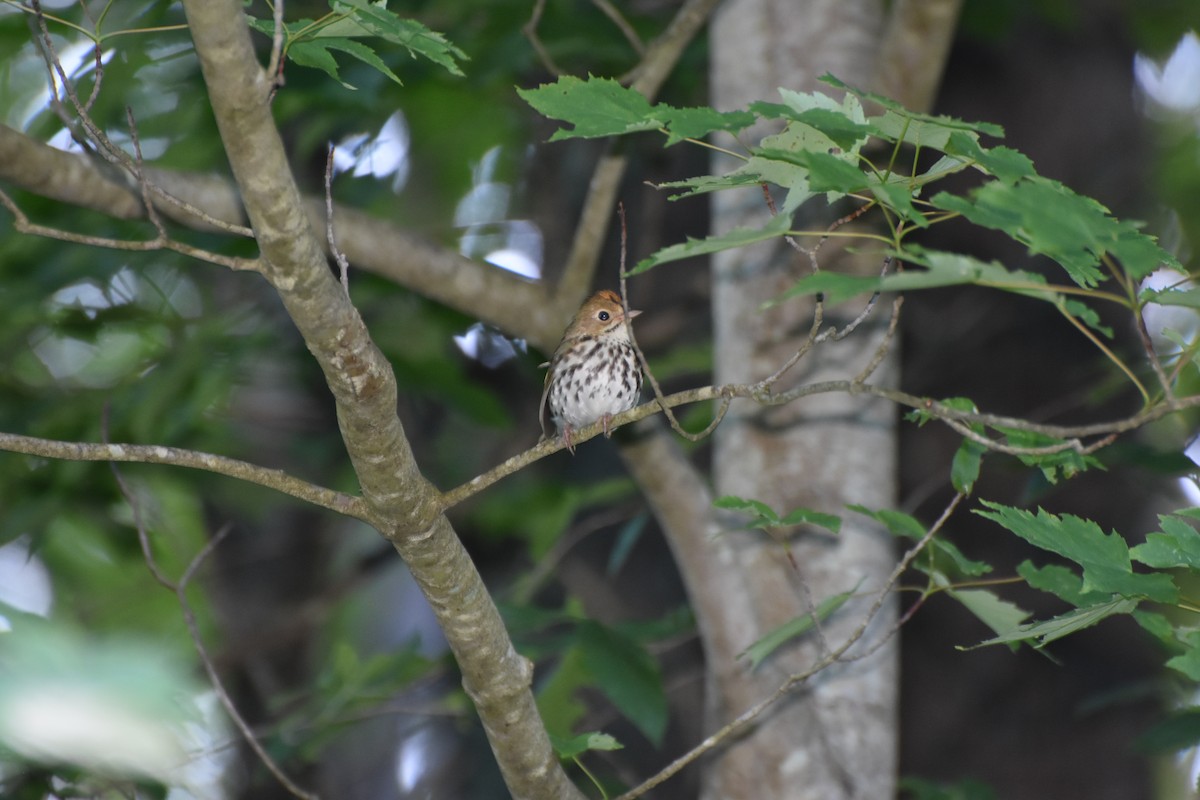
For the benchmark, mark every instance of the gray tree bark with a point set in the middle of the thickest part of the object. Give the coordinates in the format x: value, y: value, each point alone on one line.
x: 835, y: 737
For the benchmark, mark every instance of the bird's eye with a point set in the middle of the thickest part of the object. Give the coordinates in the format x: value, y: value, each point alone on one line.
x: 602, y: 316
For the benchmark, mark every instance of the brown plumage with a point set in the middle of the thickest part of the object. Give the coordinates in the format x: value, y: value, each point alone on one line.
x: 594, y: 372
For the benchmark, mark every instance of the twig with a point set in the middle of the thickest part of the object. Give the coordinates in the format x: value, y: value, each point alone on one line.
x: 744, y: 720
x: 1148, y: 345
x: 837, y: 336
x: 610, y: 11
x: 103, y: 145
x: 1072, y: 435
x: 99, y: 73
x: 156, y: 454
x: 22, y: 224
x: 899, y: 570
x: 275, y: 64
x: 658, y: 393
x: 189, y: 617
x: 885, y: 345
x: 647, y: 78
x: 765, y: 386
x: 338, y: 255
x: 530, y: 29
x: 140, y: 175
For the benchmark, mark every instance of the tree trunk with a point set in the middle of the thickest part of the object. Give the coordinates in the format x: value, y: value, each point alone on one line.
x: 835, y: 737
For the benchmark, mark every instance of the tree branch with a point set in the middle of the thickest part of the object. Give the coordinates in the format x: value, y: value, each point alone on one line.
x: 402, y: 504
x: 1072, y: 435
x: 157, y: 454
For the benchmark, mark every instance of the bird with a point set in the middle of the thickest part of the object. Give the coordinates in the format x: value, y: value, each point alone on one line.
x: 594, y: 372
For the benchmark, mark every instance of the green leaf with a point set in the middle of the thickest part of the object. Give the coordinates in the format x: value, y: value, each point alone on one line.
x: 897, y: 522
x: 710, y: 183
x: 1188, y: 662
x: 1188, y: 298
x: 557, y: 697
x: 801, y: 103
x: 964, y: 469
x: 1158, y: 626
x: 826, y: 173
x: 941, y: 269
x: 1067, y: 463
x: 1004, y: 163
x: 847, y: 133
x: 967, y: 567
x: 1104, y: 557
x: 908, y: 527
x: 1087, y: 315
x: 1061, y: 582
x: 766, y: 517
x: 1139, y: 253
x: 1050, y: 219
x: 696, y: 123
x: 595, y: 107
x: 794, y: 628
x: 806, y: 516
x: 571, y: 747
x: 375, y: 19
x: 627, y: 675
x: 898, y: 196
x: 999, y: 615
x: 627, y: 537
x: 777, y: 226
x: 835, y: 287
x: 1040, y: 634
x: 756, y: 507
x: 931, y: 123
x: 316, y: 54
x: 1179, y: 731
x: 920, y: 789
x: 1177, y: 546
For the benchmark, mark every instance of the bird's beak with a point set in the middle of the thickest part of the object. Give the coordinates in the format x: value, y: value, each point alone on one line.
x: 633, y: 313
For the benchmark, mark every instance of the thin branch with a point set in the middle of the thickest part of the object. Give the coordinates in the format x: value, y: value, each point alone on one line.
x: 885, y: 345
x: 275, y: 64
x: 1072, y: 435
x: 645, y: 365
x: 338, y: 255
x: 631, y: 36
x: 746, y: 718
x: 98, y: 70
x: 22, y: 224
x: 156, y: 454
x: 354, y: 506
x: 104, y: 146
x: 189, y: 617
x: 893, y: 579
x: 140, y: 175
x: 647, y: 78
x: 179, y: 589
x: 530, y: 29
x: 1108, y: 353
x: 1139, y: 320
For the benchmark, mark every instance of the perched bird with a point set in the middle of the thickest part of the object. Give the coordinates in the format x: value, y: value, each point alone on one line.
x: 594, y: 372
